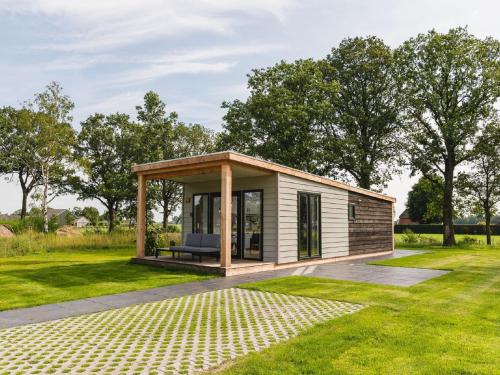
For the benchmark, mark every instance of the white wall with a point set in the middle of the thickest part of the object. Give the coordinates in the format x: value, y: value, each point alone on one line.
x: 334, y: 224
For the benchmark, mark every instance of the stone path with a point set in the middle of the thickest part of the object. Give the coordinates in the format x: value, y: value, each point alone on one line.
x: 173, y: 336
x: 353, y: 270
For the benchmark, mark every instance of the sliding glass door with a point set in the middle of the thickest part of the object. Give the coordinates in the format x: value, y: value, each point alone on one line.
x: 200, y: 213
x: 252, y: 224
x: 246, y: 220
x: 309, y: 225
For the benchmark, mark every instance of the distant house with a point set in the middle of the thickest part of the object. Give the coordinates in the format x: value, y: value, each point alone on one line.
x: 58, y: 214
x: 405, y: 219
x: 81, y: 222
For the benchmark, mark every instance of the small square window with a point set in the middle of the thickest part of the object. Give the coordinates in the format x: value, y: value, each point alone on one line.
x: 352, y: 212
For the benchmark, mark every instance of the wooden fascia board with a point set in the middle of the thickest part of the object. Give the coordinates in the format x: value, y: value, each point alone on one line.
x: 179, y: 163
x: 211, y: 160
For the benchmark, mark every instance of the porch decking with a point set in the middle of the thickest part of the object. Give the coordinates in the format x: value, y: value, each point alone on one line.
x: 209, y: 265
x: 242, y: 266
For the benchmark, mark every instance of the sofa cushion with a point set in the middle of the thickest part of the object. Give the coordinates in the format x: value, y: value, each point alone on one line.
x: 210, y: 240
x: 194, y: 250
x: 193, y: 239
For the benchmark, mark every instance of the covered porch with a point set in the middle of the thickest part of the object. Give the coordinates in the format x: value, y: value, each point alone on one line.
x: 220, y: 188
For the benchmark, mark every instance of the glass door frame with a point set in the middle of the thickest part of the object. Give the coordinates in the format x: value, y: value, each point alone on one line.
x: 309, y: 226
x: 261, y: 242
x: 240, y: 214
x: 239, y: 242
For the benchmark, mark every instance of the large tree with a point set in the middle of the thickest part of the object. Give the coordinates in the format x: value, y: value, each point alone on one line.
x: 425, y: 201
x: 449, y: 84
x: 53, y: 142
x: 362, y: 138
x: 280, y: 118
x: 107, y: 148
x: 163, y: 137
x: 482, y: 182
x: 17, y: 136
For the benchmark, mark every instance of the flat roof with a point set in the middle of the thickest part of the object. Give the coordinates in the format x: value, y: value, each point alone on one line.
x: 235, y: 157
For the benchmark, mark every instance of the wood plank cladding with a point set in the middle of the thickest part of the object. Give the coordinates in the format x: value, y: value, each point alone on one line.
x: 371, y: 230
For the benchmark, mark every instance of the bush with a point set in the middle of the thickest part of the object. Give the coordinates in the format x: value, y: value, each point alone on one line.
x: 173, y: 228
x: 467, y: 241
x: 30, y: 223
x: 409, y: 237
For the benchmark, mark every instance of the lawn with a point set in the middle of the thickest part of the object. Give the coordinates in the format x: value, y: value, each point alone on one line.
x: 447, y: 325
x: 64, y: 275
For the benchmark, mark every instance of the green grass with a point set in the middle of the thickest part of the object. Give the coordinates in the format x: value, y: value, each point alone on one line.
x: 447, y: 325
x: 62, y: 275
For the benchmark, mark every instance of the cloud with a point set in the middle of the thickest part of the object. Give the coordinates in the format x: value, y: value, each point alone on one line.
x: 97, y: 25
x: 209, y: 60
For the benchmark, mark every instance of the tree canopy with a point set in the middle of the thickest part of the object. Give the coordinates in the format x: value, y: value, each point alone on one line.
x: 425, y: 201
x: 363, y: 136
x: 449, y: 84
x: 280, y: 119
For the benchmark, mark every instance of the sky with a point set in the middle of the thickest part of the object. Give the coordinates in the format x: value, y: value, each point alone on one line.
x: 196, y: 54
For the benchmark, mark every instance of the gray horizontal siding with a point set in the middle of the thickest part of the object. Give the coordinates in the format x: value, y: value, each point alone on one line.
x: 334, y: 224
x: 266, y: 183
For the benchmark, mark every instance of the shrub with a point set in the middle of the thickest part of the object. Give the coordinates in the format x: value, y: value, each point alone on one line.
x: 173, y: 228
x: 468, y: 240
x: 409, y: 237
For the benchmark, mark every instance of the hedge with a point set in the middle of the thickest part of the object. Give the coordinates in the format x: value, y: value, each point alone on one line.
x: 438, y: 228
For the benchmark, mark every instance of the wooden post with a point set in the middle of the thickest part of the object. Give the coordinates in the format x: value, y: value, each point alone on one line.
x: 141, y: 216
x: 225, y: 215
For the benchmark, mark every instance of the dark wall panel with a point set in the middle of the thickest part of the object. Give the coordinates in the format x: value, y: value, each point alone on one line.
x: 371, y: 230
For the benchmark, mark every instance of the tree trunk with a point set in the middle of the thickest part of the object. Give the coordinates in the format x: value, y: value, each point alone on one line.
x: 487, y: 217
x: 364, y: 181
x: 448, y: 230
x: 165, y: 220
x: 111, y: 217
x: 44, y: 204
x: 24, y: 203
x: 25, y: 196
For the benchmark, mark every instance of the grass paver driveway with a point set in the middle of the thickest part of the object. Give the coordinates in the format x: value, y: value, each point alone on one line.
x: 173, y: 336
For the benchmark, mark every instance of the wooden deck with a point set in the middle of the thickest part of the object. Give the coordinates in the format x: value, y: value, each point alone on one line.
x: 242, y: 266
x: 209, y: 265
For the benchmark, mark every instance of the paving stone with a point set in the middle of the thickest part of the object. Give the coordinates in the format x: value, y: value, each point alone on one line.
x: 173, y: 336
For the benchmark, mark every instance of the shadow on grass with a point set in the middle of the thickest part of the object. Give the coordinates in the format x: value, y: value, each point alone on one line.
x: 117, y: 271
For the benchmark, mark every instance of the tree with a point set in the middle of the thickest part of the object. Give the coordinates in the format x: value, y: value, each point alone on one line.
x: 362, y: 138
x: 279, y: 120
x: 53, y: 142
x: 482, y: 183
x: 17, y: 135
x: 425, y: 201
x: 106, y: 149
x: 449, y: 84
x: 92, y: 214
x: 158, y: 134
x: 168, y: 139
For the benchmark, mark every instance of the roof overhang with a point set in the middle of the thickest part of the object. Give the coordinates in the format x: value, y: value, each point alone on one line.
x: 243, y: 165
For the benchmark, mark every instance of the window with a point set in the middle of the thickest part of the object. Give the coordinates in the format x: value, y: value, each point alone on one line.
x: 252, y: 224
x: 352, y: 212
x: 309, y: 225
x: 200, y: 213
